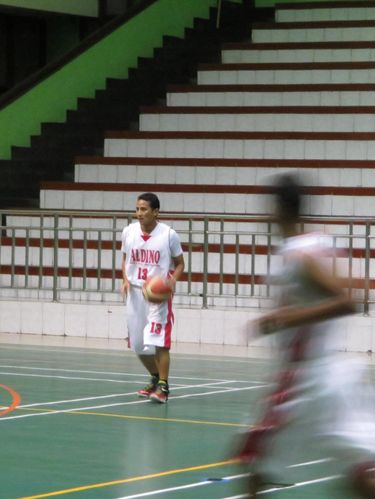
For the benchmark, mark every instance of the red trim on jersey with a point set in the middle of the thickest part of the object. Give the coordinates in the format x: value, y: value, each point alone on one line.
x: 168, y: 326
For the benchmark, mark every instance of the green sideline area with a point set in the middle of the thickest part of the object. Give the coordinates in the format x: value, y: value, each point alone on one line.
x: 111, y: 57
x: 78, y: 430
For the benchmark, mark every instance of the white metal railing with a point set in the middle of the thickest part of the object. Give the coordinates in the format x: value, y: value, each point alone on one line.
x: 229, y: 258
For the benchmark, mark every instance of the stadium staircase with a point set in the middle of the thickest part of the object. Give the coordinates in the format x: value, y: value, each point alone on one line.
x: 51, y: 154
x: 299, y: 96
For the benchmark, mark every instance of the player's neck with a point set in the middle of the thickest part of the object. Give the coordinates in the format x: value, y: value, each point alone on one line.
x: 147, y: 229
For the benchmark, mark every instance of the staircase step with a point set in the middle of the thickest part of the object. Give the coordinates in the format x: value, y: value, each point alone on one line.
x: 326, y: 31
x: 343, y: 11
x: 47, y: 153
x: 117, y: 106
x: 272, y: 95
x: 233, y: 199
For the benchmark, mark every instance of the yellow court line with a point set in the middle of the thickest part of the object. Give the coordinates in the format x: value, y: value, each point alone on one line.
x: 146, y: 418
x: 132, y: 479
x: 163, y: 420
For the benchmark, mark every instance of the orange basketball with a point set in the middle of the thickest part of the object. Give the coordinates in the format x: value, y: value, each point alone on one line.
x: 156, y: 290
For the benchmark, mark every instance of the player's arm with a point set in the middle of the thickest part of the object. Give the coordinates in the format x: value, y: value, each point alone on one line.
x: 125, y: 283
x: 179, y: 266
x: 335, y: 304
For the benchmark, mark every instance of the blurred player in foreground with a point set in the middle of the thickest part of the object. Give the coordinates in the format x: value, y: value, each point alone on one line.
x: 315, y: 400
x: 150, y: 248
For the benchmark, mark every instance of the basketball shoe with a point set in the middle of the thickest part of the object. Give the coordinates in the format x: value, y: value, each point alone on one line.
x: 149, y: 389
x: 161, y: 393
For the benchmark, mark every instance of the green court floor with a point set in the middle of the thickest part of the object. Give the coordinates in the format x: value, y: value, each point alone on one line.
x: 80, y: 432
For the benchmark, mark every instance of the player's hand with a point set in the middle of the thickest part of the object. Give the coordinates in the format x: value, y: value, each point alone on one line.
x: 267, y: 324
x: 281, y: 318
x: 172, y: 283
x: 125, y: 288
x: 252, y: 329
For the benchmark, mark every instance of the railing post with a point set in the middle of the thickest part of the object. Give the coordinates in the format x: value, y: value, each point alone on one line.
x: 205, y: 262
x: 218, y: 14
x: 367, y: 270
x: 350, y: 256
x: 55, y: 255
x: 114, y: 243
x: 190, y: 254
x: 269, y: 251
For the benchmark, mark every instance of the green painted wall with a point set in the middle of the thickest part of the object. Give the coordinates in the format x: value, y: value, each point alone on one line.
x: 111, y: 57
x: 76, y: 7
x: 271, y: 3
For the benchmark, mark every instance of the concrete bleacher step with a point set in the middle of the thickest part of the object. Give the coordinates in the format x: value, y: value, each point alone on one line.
x: 170, y: 62
x: 325, y: 11
x: 221, y: 171
x: 313, y: 31
x: 286, y: 73
x: 257, y: 53
x: 272, y: 95
x: 242, y: 145
x: 241, y: 118
x: 321, y: 201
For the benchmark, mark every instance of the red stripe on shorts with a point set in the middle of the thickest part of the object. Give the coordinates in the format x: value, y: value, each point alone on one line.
x: 168, y: 326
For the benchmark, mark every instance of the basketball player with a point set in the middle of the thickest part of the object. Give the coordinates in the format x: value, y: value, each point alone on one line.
x: 316, y: 394
x: 150, y: 248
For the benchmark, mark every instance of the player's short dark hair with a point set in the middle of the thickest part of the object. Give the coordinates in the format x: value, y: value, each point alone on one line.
x: 288, y: 196
x: 151, y: 198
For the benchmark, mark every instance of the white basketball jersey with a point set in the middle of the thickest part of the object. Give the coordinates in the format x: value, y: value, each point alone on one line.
x: 151, y: 254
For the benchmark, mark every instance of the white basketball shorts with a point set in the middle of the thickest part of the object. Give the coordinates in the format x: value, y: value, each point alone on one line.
x: 149, y: 324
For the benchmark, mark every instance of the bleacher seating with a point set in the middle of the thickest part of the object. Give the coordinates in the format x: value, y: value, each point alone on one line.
x: 300, y: 97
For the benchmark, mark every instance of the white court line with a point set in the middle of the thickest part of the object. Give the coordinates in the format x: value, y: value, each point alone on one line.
x: 229, y: 478
x: 55, y: 402
x: 226, y: 358
x: 308, y: 463
x: 121, y: 373
x: 66, y: 377
x: 171, y: 489
x: 112, y: 352
x: 75, y: 409
x: 77, y: 378
x: 182, y: 487
x: 288, y: 487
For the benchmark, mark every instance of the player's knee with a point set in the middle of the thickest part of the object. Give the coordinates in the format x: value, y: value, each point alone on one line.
x: 141, y: 349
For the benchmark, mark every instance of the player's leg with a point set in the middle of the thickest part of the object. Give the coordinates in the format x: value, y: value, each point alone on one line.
x: 163, y: 361
x: 149, y: 363
x: 363, y: 480
x: 137, y: 309
x: 158, y: 333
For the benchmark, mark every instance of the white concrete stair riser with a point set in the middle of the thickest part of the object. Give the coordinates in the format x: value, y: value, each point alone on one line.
x: 358, y: 13
x: 272, y: 99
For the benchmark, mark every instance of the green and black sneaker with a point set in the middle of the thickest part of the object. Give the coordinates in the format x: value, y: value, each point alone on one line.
x: 161, y: 393
x: 149, y: 389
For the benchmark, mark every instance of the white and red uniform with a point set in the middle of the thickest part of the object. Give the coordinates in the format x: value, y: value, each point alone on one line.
x: 319, y: 397
x: 148, y: 255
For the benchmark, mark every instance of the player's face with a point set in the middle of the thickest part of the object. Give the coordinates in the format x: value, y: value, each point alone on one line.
x: 146, y: 215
